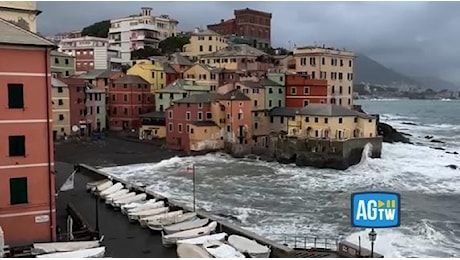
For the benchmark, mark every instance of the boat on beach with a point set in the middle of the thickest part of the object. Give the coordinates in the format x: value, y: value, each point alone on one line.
x: 116, y: 194
x: 46, y: 248
x: 110, y: 201
x: 174, y: 214
x: 150, y: 212
x: 200, y: 240
x: 136, y: 198
x: 197, y: 223
x: 145, y: 207
x: 191, y: 251
x: 169, y: 240
x: 221, y: 250
x: 248, y: 246
x: 97, y: 252
x: 159, y: 224
x: 125, y: 208
x: 112, y: 189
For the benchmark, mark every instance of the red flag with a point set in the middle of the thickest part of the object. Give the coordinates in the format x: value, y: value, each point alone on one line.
x: 190, y: 168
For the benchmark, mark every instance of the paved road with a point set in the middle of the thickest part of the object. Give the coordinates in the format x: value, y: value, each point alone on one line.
x: 122, y: 239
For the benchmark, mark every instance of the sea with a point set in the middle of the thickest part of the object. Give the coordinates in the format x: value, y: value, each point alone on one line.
x: 282, y: 201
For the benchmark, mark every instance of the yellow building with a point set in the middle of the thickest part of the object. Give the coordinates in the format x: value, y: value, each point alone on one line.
x: 333, y: 65
x: 153, y: 126
x: 203, y: 75
x: 331, y: 122
x: 151, y: 71
x: 61, y: 109
x: 205, y: 135
x: 236, y: 57
x: 203, y: 42
x: 21, y: 13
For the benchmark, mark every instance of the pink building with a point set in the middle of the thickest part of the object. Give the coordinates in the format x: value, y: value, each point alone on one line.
x: 27, y: 192
x: 238, y: 117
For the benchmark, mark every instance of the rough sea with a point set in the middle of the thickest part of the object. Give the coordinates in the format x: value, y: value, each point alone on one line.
x: 279, y: 201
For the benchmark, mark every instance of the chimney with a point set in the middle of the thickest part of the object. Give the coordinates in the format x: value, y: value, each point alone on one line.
x: 221, y: 20
x: 146, y: 11
x: 197, y: 30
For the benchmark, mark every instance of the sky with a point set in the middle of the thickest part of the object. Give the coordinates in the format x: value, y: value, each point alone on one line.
x: 415, y: 38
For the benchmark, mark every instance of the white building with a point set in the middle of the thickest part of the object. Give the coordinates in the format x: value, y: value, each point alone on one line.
x: 89, y: 52
x: 137, y: 31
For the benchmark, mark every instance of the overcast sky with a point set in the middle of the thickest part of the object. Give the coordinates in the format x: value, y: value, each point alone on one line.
x: 417, y: 38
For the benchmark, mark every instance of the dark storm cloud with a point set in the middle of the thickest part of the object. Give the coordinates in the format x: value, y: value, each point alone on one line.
x: 418, y: 38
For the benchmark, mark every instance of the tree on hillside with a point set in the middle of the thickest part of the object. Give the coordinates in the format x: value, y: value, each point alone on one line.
x: 99, y: 29
x: 173, y: 44
x: 144, y: 53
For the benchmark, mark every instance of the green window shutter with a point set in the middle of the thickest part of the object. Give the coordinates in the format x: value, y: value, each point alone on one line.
x: 15, y: 96
x: 18, y: 191
x: 17, y: 145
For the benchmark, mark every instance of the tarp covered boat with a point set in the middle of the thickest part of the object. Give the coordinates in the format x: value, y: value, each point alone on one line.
x: 171, y: 239
x: 192, y: 251
x: 159, y: 224
x: 221, y: 250
x: 97, y: 252
x: 46, y: 248
x: 251, y: 247
x: 185, y: 226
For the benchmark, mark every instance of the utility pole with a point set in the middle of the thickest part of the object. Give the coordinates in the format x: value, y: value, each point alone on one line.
x: 194, y: 189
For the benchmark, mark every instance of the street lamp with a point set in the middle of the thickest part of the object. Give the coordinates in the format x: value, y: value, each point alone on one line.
x: 372, y: 238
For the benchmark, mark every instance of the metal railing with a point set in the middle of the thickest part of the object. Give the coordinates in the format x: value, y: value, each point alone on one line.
x: 309, y: 242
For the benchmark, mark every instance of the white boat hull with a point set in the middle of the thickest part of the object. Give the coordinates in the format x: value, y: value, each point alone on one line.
x: 179, y: 227
x: 137, y: 198
x: 138, y: 215
x: 97, y: 252
x: 121, y: 197
x: 248, y: 246
x: 201, y: 240
x: 191, y: 251
x: 169, y: 240
x: 116, y: 187
x: 170, y: 215
x: 130, y: 206
x: 46, y: 248
x: 158, y: 224
x: 146, y: 207
x: 221, y: 250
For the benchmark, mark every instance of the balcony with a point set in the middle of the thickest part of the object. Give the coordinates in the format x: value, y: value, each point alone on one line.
x: 138, y: 37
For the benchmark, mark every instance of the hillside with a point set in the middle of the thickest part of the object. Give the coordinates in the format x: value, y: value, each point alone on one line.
x: 370, y: 71
x: 436, y: 83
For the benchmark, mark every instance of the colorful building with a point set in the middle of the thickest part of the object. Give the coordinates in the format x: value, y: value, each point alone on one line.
x: 151, y: 71
x: 203, y: 75
x: 279, y: 117
x: 101, y: 78
x: 78, y: 112
x: 190, y: 124
x: 253, y: 25
x: 332, y: 122
x: 203, y: 42
x: 178, y: 62
x: 62, y: 65
x: 129, y: 97
x: 302, y: 91
x: 96, y: 116
x: 60, y: 95
x: 275, y: 95
x: 27, y: 189
x: 177, y: 90
x: 238, y: 117
x: 239, y: 57
x: 153, y: 125
x: 333, y: 65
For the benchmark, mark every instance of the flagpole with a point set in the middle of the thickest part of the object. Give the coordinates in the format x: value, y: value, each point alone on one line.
x: 194, y: 194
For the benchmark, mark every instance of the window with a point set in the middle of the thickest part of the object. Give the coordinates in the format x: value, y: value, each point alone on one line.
x: 188, y: 115
x: 306, y: 90
x: 270, y: 91
x: 282, y: 119
x: 98, y: 110
x: 307, y: 119
x: 170, y: 127
x: 15, y: 96
x: 333, y: 90
x: 323, y: 61
x: 191, y: 130
x: 113, y: 97
x: 125, y: 110
x: 60, y: 102
x: 340, y: 75
x: 279, y: 103
x: 356, y: 120
x: 293, y: 90
x: 18, y: 191
x: 313, y: 75
x: 153, y: 74
x: 125, y: 97
x: 270, y: 103
x: 305, y: 103
x: 200, y: 116
x: 139, y: 110
x: 138, y: 97
x: 349, y: 90
x: 340, y: 101
x: 200, y: 105
x: 187, y: 128
x: 170, y: 114
x: 125, y: 85
x: 208, y: 115
x: 160, y: 96
x: 17, y: 145
x: 114, y: 111
x: 66, y: 61
x: 56, y: 60
x: 370, y: 120
x: 340, y: 120
x: 316, y: 120
x: 61, y: 117
x: 349, y: 101
x: 228, y: 128
x: 240, y: 116
x: 271, y: 119
x: 201, y: 48
x: 340, y: 90
x: 210, y: 48
x: 325, y: 120
x: 280, y: 91
x: 161, y: 108
x: 179, y: 128
x: 349, y: 63
x: 255, y: 103
x: 256, y: 125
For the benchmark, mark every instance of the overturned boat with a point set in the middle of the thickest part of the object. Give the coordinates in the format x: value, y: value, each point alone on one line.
x: 221, y: 250
x: 192, y: 224
x: 248, y: 246
x: 191, y: 251
x: 159, y: 224
x: 132, y: 205
x: 97, y: 252
x: 110, y: 201
x: 145, y: 207
x: 112, y: 189
x: 169, y: 215
x: 46, y: 248
x: 150, y: 212
x: 201, y: 240
x: 169, y: 240
x: 91, y: 186
x: 136, y: 198
x: 101, y: 187
x: 116, y: 195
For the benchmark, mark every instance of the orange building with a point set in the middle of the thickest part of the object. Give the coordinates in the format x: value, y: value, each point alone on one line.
x: 301, y: 91
x: 27, y: 193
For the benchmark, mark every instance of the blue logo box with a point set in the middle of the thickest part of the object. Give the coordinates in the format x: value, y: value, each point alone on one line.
x: 375, y: 209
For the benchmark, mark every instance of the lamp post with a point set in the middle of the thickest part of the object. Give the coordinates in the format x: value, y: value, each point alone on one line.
x: 372, y: 238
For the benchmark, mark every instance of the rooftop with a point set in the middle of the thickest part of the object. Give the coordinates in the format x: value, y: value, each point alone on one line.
x: 200, y: 98
x: 174, y: 59
x: 330, y: 110
x: 131, y: 79
x: 155, y: 114
x: 204, y: 32
x: 237, y: 50
x: 269, y: 82
x: 60, y: 54
x: 95, y: 74
x: 235, y: 94
x: 57, y: 83
x: 251, y: 84
x: 12, y: 34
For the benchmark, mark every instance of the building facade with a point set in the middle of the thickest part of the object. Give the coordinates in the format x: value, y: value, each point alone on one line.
x: 89, y: 52
x: 150, y: 70
x: 60, y: 95
x: 333, y: 65
x: 203, y: 42
x: 253, y: 25
x: 177, y: 90
x: 21, y: 13
x: 238, y: 117
x: 27, y: 191
x: 275, y: 95
x: 62, y: 65
x: 138, y: 31
x: 302, y: 91
x: 77, y: 95
x: 153, y: 125
x: 129, y: 97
